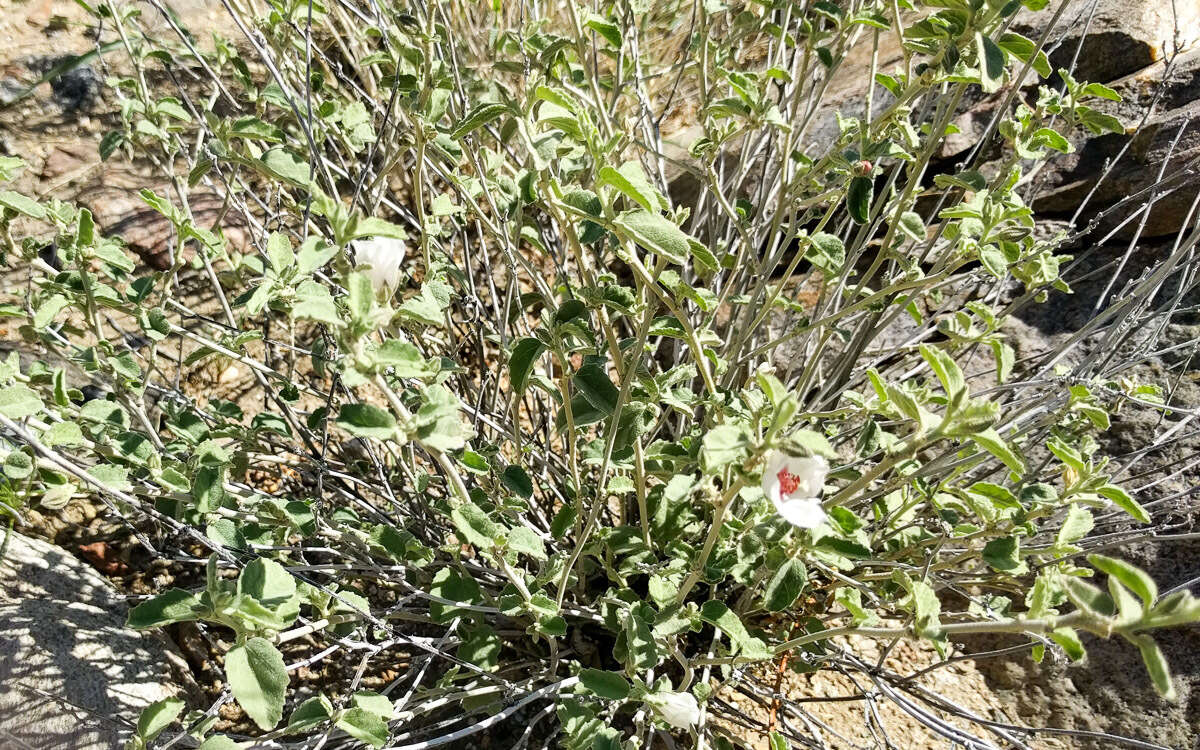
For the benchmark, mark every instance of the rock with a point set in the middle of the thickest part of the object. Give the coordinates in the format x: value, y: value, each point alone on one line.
x: 120, y: 211
x: 71, y: 674
x: 69, y: 159
x: 1110, y: 691
x: 1121, y: 37
x: 1169, y: 138
x: 76, y: 88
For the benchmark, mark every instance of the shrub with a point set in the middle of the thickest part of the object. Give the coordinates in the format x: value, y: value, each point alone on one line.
x: 562, y: 421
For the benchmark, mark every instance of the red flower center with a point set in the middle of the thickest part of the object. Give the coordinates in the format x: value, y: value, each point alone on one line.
x: 788, y: 482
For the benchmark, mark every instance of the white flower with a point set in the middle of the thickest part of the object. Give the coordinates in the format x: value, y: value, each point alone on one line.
x: 680, y: 710
x: 794, y: 486
x: 380, y: 258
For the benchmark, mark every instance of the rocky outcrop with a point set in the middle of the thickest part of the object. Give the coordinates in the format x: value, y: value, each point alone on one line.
x: 71, y: 674
x: 1108, y: 39
x: 1159, y: 160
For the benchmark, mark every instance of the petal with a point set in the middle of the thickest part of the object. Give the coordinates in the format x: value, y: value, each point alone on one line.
x: 770, y: 480
x: 811, y: 470
x: 805, y: 513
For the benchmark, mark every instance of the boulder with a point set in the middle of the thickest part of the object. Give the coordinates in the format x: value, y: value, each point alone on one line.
x: 71, y: 674
x: 1120, y: 37
x: 1168, y: 141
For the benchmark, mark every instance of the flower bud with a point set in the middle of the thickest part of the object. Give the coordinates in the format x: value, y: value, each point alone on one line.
x: 380, y: 258
x: 680, y: 710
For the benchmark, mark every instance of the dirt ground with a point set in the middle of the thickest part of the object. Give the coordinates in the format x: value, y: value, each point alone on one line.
x: 57, y: 129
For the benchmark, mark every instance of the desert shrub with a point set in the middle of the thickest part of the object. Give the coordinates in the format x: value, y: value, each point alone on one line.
x: 550, y: 420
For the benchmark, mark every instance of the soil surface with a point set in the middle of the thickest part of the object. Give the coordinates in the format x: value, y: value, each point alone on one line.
x: 57, y: 128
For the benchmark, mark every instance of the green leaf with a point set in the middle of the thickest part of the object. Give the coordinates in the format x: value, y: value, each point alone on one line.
x: 991, y: 63
x: 1156, y: 666
x: 440, y: 425
x: 18, y: 465
x: 259, y: 681
x: 364, y: 725
x: 475, y: 527
x: 314, y: 302
x: 372, y: 702
x: 478, y: 117
x: 776, y: 741
x: 286, y: 166
x: 1075, y: 526
x: 785, y: 586
x: 156, y: 717
x: 428, y: 307
x: 946, y: 369
x: 454, y: 586
x: 252, y: 127
x: 656, y: 234
x: 517, y: 481
x: 1026, y: 51
x: 1125, y: 502
x: 399, y: 544
x: 267, y: 581
x: 482, y: 648
x: 1069, y: 641
x: 605, y: 28
x: 367, y: 421
x: 1134, y: 579
x: 109, y: 143
x: 858, y: 199
x: 579, y: 724
x: 19, y: 401
x: 589, y: 203
x: 632, y: 182
x: 827, y: 252
x: 173, y: 605
x: 991, y: 442
x: 970, y: 180
x: 808, y: 443
x: 21, y: 204
x: 642, y: 651
x: 1091, y: 600
x: 403, y: 358
x: 723, y: 445
x: 721, y: 616
x: 926, y: 610
x: 309, y: 714
x: 593, y: 382
x: 1098, y: 122
x: 1003, y: 554
x: 48, y: 310
x: 1101, y: 91
x: 703, y: 259
x: 526, y: 541
x: 280, y: 253
x: 218, y: 742
x: 1053, y: 139
x: 611, y: 685
x: 1005, y: 359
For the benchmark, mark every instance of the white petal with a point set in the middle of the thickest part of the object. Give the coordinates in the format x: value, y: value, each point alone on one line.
x: 680, y: 710
x: 806, y: 513
x: 770, y: 479
x: 811, y: 471
x: 380, y: 258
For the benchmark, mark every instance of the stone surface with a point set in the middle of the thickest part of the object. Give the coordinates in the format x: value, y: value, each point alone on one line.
x: 1168, y: 143
x: 71, y: 675
x: 1110, y: 691
x: 1120, y: 37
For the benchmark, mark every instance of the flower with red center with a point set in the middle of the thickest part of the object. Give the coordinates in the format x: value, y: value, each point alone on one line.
x: 794, y: 485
